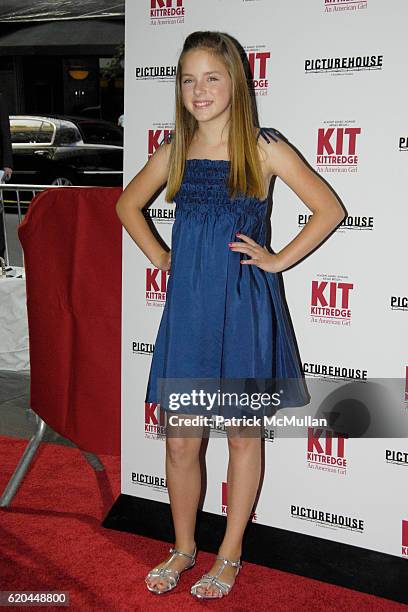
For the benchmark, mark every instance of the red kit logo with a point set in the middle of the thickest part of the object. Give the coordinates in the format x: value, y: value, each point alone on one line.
x: 326, y: 450
x: 155, y: 137
x: 406, y: 383
x: 337, y: 149
x: 224, y: 501
x: 330, y: 302
x: 156, y: 286
x: 165, y: 12
x: 404, y: 541
x: 258, y: 63
x: 154, y: 421
x: 335, y: 6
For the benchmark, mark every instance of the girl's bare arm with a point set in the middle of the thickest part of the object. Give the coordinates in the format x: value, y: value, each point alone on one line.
x: 138, y: 192
x: 327, y: 211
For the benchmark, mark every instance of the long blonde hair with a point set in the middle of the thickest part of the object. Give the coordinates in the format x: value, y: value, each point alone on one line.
x: 245, y: 176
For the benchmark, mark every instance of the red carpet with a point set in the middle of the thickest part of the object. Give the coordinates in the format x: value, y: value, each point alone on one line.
x: 51, y: 539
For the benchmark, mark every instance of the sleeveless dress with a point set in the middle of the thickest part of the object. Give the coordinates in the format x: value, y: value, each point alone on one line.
x: 222, y: 320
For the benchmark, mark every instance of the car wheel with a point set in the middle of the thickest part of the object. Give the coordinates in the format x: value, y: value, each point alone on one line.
x: 63, y: 179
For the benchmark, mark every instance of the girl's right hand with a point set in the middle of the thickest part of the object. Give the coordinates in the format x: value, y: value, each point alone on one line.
x: 164, y: 262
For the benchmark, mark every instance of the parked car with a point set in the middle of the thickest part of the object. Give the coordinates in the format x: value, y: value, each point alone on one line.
x: 66, y: 150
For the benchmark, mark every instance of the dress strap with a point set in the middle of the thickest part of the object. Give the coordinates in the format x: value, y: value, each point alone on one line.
x: 264, y: 131
x: 271, y: 132
x: 167, y: 138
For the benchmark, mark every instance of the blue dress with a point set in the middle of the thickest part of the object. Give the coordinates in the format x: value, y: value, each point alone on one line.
x: 222, y: 320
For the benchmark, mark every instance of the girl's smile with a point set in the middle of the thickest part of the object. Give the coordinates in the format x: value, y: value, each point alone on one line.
x: 202, y: 104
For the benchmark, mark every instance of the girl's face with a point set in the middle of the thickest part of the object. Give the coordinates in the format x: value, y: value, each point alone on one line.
x: 206, y: 86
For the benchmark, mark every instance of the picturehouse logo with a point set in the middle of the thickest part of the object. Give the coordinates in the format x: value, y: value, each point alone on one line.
x: 161, y: 214
x: 326, y: 450
x: 221, y: 430
x: 322, y: 518
x: 330, y: 301
x: 142, y: 348
x: 399, y: 302
x: 350, y: 65
x: 167, y: 12
x: 348, y: 224
x: 164, y: 74
x: 334, y: 372
x: 396, y: 457
x: 152, y: 481
x: 403, y: 143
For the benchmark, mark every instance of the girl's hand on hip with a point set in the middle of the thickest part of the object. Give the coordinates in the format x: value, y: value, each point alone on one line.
x: 164, y: 262
x: 260, y: 256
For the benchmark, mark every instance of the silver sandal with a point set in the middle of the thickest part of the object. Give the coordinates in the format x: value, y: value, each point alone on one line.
x: 209, y: 580
x: 169, y: 574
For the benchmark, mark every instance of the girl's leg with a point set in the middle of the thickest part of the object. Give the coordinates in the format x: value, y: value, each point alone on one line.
x: 243, y: 476
x: 184, y: 486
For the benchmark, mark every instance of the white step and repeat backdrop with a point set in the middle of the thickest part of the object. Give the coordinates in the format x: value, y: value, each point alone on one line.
x: 331, y: 76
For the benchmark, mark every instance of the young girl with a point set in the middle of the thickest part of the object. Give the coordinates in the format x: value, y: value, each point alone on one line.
x: 223, y: 315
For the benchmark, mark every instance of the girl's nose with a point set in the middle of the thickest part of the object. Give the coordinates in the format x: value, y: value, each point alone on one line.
x: 199, y: 88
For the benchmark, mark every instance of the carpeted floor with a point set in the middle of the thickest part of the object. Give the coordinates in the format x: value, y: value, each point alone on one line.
x: 51, y: 539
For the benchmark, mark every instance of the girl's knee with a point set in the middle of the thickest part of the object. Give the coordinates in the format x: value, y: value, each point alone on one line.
x: 181, y: 450
x: 244, y: 440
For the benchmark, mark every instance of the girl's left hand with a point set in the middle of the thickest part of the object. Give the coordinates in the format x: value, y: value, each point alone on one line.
x: 260, y: 256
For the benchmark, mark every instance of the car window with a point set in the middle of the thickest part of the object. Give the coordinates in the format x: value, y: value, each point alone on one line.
x: 25, y: 130
x: 46, y: 133
x: 96, y: 133
x: 68, y: 135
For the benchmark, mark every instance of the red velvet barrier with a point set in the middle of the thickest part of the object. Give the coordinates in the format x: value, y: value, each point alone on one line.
x: 72, y: 242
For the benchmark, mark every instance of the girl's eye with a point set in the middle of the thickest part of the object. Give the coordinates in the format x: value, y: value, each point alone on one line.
x: 188, y: 80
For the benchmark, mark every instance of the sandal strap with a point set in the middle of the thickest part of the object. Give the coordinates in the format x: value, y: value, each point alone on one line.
x: 164, y: 569
x: 165, y: 572
x: 221, y: 569
x: 175, y: 551
x: 213, y: 580
x: 229, y: 562
x: 207, y: 579
x: 169, y: 572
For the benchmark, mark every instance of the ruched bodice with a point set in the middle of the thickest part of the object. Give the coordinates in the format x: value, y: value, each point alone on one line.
x: 222, y: 319
x: 204, y: 192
